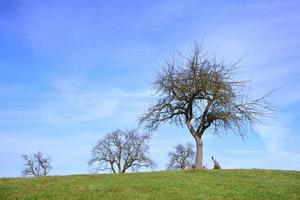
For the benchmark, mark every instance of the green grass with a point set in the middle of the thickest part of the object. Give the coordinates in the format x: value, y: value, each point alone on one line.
x: 208, y: 184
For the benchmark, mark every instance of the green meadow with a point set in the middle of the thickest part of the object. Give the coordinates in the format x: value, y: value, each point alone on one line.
x: 206, y: 184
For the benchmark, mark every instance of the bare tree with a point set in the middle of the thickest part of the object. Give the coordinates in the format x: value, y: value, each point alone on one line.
x: 182, y: 157
x: 121, y: 150
x: 36, y: 165
x: 216, y: 163
x: 203, y: 94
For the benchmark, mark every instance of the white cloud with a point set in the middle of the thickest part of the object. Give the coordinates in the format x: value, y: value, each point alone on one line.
x: 274, y: 133
x: 165, y: 12
x: 73, y: 101
x: 244, y: 151
x: 70, y: 101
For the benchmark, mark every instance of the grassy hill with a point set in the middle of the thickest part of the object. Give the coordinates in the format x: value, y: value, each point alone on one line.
x: 208, y: 184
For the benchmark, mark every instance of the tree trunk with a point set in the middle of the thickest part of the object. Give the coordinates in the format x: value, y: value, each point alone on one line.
x: 199, y: 152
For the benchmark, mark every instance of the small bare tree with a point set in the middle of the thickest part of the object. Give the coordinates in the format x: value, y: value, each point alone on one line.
x: 36, y: 165
x: 182, y: 157
x: 121, y: 150
x: 205, y: 95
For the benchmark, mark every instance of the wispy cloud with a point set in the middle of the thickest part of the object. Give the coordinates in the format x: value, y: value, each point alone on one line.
x: 275, y: 133
x: 277, y: 137
x: 72, y: 101
x: 244, y: 151
x: 165, y: 13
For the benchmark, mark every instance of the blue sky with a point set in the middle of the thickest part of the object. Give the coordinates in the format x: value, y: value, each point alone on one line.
x: 72, y: 71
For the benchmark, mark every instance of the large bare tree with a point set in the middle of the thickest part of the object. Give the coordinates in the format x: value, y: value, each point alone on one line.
x: 36, y: 165
x: 121, y: 150
x: 182, y: 157
x: 203, y: 94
